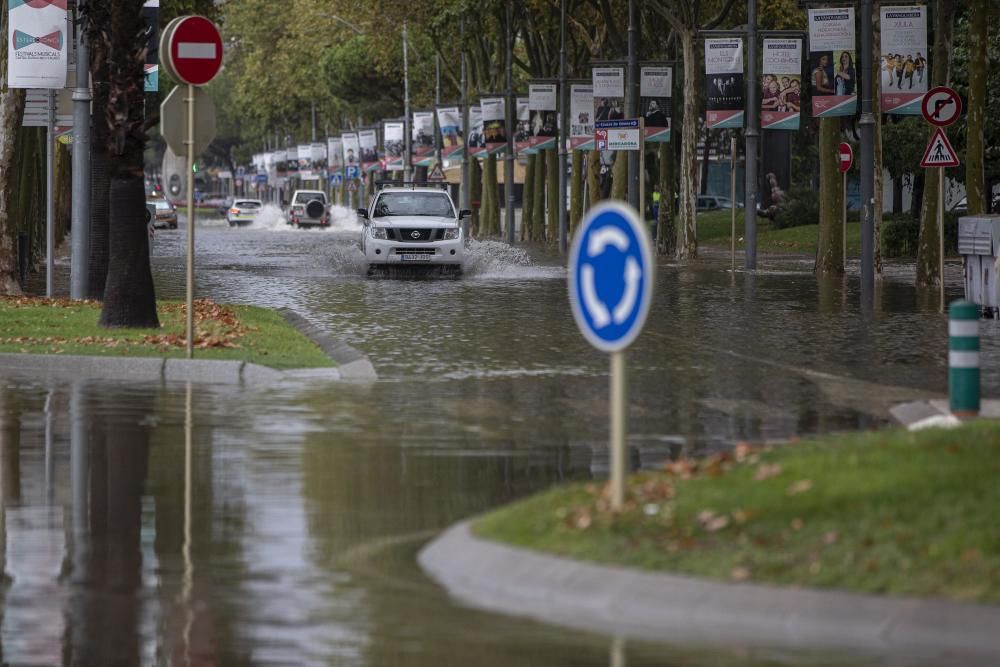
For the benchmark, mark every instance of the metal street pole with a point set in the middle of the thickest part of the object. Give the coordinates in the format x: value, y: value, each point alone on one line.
x: 189, y: 324
x: 563, y: 129
x: 508, y: 177
x: 632, y: 106
x: 50, y: 212
x: 752, y: 141
x: 80, y: 246
x: 464, y: 194
x: 437, y: 103
x: 867, y: 124
x: 407, y: 139
x: 314, y: 122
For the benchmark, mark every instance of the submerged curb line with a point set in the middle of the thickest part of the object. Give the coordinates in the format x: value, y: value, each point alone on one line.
x: 686, y: 610
x: 352, y: 364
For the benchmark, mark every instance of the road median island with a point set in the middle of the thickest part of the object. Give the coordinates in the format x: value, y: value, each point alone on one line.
x: 896, y: 529
x: 231, y: 333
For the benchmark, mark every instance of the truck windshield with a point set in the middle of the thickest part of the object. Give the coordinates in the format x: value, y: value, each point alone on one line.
x: 413, y: 203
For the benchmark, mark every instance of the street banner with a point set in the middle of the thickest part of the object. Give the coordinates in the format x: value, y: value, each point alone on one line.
x: 655, y: 101
x: 352, y: 151
x: 581, y: 116
x: 422, y: 138
x: 450, y: 122
x: 305, y: 162
x: 392, y: 138
x: 151, y: 14
x: 281, y: 164
x: 832, y: 74
x: 905, y: 75
x: 724, y: 105
x: 494, y: 126
x: 522, y: 126
x: 543, y: 117
x: 317, y: 152
x: 477, y: 139
x: 609, y: 93
x: 334, y: 155
x: 36, y: 44
x: 368, y: 142
x: 781, y: 92
x: 617, y: 135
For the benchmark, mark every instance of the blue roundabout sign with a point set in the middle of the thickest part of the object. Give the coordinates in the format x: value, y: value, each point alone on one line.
x: 611, y: 276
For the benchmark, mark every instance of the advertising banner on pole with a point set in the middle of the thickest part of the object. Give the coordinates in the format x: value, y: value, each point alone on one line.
x: 305, y: 162
x: 151, y: 14
x: 281, y: 164
x: 655, y: 101
x: 832, y: 74
x: 522, y: 126
x: 368, y: 143
x: 352, y: 151
x: 317, y: 152
x: 450, y: 122
x: 477, y: 139
x: 422, y: 138
x: 905, y: 75
x: 334, y: 155
x: 724, y: 104
x: 494, y: 125
x: 609, y: 93
x: 292, y: 162
x: 392, y: 138
x: 543, y: 117
x: 781, y: 91
x: 36, y: 44
x: 581, y: 116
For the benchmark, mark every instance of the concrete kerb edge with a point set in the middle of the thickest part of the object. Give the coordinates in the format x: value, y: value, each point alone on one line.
x: 352, y: 363
x: 662, y: 608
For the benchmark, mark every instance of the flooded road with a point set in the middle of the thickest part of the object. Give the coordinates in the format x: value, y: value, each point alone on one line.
x: 279, y: 525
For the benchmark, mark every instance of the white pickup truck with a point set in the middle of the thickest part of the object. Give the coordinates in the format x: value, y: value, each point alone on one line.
x: 412, y: 225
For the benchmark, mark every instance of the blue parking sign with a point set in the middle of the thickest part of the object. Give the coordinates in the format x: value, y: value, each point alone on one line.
x: 611, y: 276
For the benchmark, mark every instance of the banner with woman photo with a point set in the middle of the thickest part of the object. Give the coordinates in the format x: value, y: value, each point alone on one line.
x: 905, y: 75
x: 724, y: 83
x: 609, y: 93
x: 581, y: 116
x: 476, y: 140
x: 450, y: 123
x: 781, y: 91
x: 522, y: 126
x: 833, y: 76
x: 368, y: 142
x: 655, y: 101
x: 334, y: 155
x: 422, y: 139
x: 393, y: 144
x: 543, y: 120
x: 352, y: 153
x: 494, y: 124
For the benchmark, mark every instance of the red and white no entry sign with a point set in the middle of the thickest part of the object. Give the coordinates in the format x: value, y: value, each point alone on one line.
x: 846, y: 155
x: 194, y: 50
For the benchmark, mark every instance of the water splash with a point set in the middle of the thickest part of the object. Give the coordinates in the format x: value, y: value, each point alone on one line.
x: 272, y: 219
x: 495, y: 260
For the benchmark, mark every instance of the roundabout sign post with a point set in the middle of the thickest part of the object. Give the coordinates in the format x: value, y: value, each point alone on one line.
x: 610, y: 291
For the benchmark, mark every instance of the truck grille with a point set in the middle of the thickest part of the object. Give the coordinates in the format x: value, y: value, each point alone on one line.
x: 422, y: 235
x: 415, y: 251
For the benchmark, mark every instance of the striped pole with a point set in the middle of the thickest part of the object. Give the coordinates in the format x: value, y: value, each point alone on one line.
x: 963, y: 359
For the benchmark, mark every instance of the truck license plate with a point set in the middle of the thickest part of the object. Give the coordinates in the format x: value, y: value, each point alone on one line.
x: 415, y: 258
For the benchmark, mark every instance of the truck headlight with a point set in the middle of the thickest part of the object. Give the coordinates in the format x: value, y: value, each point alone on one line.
x: 452, y: 234
x: 378, y: 232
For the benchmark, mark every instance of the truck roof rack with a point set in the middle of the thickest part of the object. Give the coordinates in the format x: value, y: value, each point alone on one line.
x: 411, y: 184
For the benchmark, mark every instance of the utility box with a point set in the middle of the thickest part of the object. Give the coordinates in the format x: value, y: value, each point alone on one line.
x: 979, y: 246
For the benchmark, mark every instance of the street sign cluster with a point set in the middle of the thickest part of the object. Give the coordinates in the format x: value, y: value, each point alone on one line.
x: 941, y: 107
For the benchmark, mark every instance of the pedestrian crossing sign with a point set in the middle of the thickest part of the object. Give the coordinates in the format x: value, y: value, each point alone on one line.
x: 940, y: 152
x: 437, y: 174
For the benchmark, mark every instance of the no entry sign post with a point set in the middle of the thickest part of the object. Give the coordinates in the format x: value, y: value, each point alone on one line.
x: 191, y: 52
x: 846, y: 154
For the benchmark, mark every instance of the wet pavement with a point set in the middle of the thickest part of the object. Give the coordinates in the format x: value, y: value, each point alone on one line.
x: 279, y: 525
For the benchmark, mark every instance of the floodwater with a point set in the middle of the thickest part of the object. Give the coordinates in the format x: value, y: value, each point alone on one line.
x: 278, y: 525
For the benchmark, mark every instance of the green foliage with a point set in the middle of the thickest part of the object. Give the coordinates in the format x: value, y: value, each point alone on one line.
x: 801, y: 208
x: 350, y: 76
x: 900, y: 235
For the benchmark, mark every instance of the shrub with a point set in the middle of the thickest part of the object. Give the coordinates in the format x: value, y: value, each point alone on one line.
x: 801, y: 208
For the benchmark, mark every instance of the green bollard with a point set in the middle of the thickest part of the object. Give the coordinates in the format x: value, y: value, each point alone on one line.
x: 963, y: 359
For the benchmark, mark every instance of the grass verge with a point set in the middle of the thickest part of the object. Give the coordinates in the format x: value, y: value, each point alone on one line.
x: 241, y: 333
x: 714, y: 230
x: 890, y: 512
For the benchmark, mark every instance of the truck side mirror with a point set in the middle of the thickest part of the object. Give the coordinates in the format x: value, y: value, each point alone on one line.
x: 464, y: 213
x: 363, y: 213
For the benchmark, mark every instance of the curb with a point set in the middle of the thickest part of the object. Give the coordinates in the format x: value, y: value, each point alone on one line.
x: 680, y: 609
x: 917, y: 415
x: 352, y: 363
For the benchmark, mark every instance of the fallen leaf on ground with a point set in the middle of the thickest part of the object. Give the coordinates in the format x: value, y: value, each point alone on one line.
x: 797, y: 524
x: 767, y: 471
x: 801, y: 486
x: 831, y: 537
x: 717, y: 524
x: 739, y: 573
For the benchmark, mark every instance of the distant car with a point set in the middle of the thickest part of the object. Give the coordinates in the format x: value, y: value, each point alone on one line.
x: 414, y: 226
x: 309, y: 207
x: 961, y: 206
x: 166, y: 214
x: 713, y: 203
x: 243, y: 212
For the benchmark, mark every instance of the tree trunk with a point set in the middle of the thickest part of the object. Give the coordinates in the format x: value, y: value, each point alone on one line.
x: 129, y: 297
x: 576, y: 192
x: 687, y: 241
x: 979, y: 16
x: 619, y: 177
x: 538, y: 204
x: 829, y: 250
x: 666, y: 227
x: 11, y: 110
x: 928, y: 256
x: 552, y: 194
x: 594, y: 177
x: 528, y: 199
x: 491, y: 197
x: 705, y: 153
x: 476, y: 195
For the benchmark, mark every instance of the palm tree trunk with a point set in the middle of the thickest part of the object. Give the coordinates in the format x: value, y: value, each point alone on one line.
x: 687, y: 241
x: 829, y: 249
x: 528, y: 199
x: 666, y: 226
x: 594, y: 177
x: 619, y: 177
x: 576, y: 192
x: 979, y: 16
